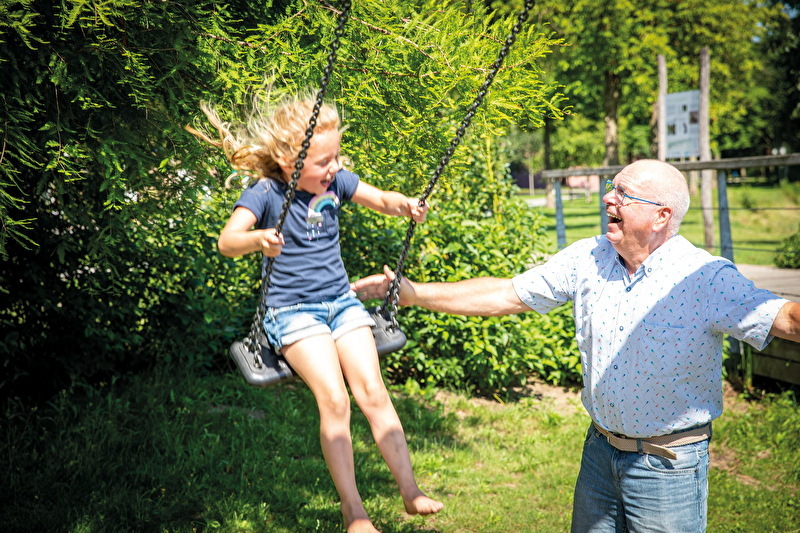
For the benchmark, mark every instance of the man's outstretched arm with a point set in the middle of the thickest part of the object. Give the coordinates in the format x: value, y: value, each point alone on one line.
x: 485, y: 296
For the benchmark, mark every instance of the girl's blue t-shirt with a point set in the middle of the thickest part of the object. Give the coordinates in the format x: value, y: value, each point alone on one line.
x: 310, y: 267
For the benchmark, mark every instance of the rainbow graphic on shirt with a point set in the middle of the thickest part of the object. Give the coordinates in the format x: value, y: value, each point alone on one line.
x: 321, y: 201
x: 315, y: 225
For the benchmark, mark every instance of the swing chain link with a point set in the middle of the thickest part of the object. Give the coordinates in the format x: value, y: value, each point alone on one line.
x: 251, y: 342
x: 392, y: 298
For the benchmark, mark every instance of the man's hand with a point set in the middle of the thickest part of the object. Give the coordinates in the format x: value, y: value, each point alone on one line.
x: 377, y: 285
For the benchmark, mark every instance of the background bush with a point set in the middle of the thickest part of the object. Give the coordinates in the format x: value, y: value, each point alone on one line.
x: 788, y: 253
x: 111, y: 210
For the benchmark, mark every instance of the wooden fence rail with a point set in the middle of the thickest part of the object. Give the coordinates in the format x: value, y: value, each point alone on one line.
x: 722, y: 166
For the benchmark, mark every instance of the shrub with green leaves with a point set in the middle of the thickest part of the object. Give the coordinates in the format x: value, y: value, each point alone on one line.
x: 788, y: 253
x: 111, y: 210
x: 475, y: 229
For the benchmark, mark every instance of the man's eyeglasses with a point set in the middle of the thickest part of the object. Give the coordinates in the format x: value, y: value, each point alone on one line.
x: 622, y: 195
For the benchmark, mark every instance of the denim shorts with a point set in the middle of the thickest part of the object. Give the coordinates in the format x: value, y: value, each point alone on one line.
x: 287, y: 325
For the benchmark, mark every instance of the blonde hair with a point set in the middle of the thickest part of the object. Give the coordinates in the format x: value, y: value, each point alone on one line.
x: 268, y: 136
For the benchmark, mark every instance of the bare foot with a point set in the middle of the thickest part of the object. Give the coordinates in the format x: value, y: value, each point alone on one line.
x: 422, y: 505
x: 357, y: 521
x: 361, y: 525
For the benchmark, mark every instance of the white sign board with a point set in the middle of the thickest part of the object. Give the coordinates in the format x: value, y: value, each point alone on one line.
x: 683, y: 124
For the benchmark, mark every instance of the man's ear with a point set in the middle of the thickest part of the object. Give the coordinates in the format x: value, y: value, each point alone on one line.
x: 662, y: 218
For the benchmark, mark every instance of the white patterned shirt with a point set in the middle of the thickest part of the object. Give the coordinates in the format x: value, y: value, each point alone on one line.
x: 651, y: 344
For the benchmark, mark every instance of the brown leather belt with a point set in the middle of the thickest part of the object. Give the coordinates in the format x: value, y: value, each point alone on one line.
x: 659, y: 445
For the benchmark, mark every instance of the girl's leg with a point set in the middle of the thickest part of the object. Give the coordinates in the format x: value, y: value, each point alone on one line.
x: 359, y: 362
x: 315, y: 360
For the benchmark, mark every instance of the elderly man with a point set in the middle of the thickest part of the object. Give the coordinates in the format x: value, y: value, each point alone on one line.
x: 651, y: 311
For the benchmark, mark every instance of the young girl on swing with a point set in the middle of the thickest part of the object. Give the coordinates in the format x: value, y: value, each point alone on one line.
x: 313, y: 318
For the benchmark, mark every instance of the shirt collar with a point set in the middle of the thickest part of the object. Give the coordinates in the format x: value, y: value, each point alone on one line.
x: 663, y: 256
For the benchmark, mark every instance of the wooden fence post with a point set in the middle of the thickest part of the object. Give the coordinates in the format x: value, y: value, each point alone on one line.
x: 661, y: 104
x: 603, y: 214
x: 706, y: 178
x: 725, y: 237
x: 561, y: 228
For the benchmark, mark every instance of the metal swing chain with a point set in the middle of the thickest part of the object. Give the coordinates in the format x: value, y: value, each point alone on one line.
x: 393, y: 294
x: 251, y: 342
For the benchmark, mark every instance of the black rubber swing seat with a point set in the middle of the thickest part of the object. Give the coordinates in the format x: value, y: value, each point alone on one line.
x: 388, y: 335
x: 270, y: 368
x: 261, y: 370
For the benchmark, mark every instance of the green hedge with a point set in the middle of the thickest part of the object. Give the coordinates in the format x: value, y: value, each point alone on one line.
x: 476, y: 228
x: 111, y: 209
x: 788, y: 255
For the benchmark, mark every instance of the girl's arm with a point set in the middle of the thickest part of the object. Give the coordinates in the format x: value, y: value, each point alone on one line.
x: 239, y: 238
x: 389, y: 202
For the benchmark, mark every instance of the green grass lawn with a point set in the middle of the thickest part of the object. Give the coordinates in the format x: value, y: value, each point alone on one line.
x: 174, y: 452
x: 179, y: 452
x: 760, y: 217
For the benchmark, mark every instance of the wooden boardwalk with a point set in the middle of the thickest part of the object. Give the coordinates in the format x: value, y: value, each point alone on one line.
x: 780, y: 360
x: 782, y: 281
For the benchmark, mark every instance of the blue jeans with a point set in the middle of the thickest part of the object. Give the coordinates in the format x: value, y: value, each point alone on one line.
x: 287, y: 325
x: 631, y: 492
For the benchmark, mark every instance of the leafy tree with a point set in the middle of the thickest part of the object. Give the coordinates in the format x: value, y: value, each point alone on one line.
x: 741, y: 92
x: 110, y: 209
x: 608, y: 67
x: 403, y: 86
x: 781, y: 105
x: 94, y: 98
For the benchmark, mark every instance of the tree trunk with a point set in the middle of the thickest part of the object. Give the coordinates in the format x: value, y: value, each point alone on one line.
x: 660, y: 111
x: 610, y: 108
x: 706, y: 176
